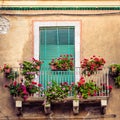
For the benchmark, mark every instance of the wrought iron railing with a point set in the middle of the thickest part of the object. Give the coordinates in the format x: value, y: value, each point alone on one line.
x: 100, y: 78
x: 47, y: 75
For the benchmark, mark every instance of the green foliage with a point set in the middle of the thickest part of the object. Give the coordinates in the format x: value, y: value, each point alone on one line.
x: 24, y: 90
x: 12, y: 75
x: 92, y: 65
x: 57, y: 92
x: 117, y: 81
x: 114, y: 71
x: 64, y: 62
x: 30, y: 69
x: 17, y: 89
x: 9, y: 72
x: 31, y: 87
x: 87, y: 89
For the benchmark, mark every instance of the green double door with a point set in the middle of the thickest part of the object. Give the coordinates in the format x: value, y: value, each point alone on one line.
x: 56, y: 41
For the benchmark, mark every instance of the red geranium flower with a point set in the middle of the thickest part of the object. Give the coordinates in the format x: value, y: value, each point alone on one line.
x: 34, y: 83
x: 39, y: 85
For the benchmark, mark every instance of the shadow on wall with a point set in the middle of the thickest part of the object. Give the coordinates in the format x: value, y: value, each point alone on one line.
x: 6, y: 103
x: 27, y: 50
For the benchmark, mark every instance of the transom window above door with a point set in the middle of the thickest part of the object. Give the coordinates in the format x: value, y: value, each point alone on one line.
x: 57, y: 35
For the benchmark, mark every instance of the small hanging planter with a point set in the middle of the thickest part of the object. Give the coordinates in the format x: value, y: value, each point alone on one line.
x: 75, y: 106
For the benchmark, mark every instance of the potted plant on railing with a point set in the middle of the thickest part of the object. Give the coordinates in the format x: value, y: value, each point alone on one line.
x: 86, y: 89
x: 55, y: 93
x: 9, y: 72
x: 6, y: 69
x: 92, y: 65
x: 13, y: 75
x: 24, y: 90
x: 17, y: 90
x: 33, y: 87
x: 62, y: 63
x: 114, y: 72
x: 30, y: 69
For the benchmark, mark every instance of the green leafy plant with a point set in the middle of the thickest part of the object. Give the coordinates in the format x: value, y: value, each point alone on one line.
x: 12, y: 75
x: 85, y: 89
x: 17, y: 89
x: 24, y: 90
x: 33, y: 87
x: 30, y: 69
x: 9, y: 72
x: 92, y: 65
x: 57, y: 92
x: 64, y: 62
x: 6, y: 69
x: 114, y: 72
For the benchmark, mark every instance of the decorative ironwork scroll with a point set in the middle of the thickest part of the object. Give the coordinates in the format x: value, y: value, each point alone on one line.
x: 4, y: 25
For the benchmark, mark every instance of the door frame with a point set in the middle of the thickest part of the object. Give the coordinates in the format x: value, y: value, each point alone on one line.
x: 75, y: 24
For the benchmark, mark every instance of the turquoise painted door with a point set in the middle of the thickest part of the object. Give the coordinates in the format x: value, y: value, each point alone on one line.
x: 55, y: 41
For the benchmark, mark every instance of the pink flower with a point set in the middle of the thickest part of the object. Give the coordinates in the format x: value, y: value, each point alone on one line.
x: 25, y: 92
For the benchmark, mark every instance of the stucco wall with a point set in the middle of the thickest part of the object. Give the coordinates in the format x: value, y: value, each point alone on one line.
x: 100, y: 36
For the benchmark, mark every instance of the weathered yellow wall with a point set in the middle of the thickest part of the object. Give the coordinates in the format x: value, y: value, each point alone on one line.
x: 100, y: 36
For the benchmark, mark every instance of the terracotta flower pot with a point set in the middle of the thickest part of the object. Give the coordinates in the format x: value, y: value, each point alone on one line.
x: 114, y: 69
x: 38, y: 67
x: 53, y: 67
